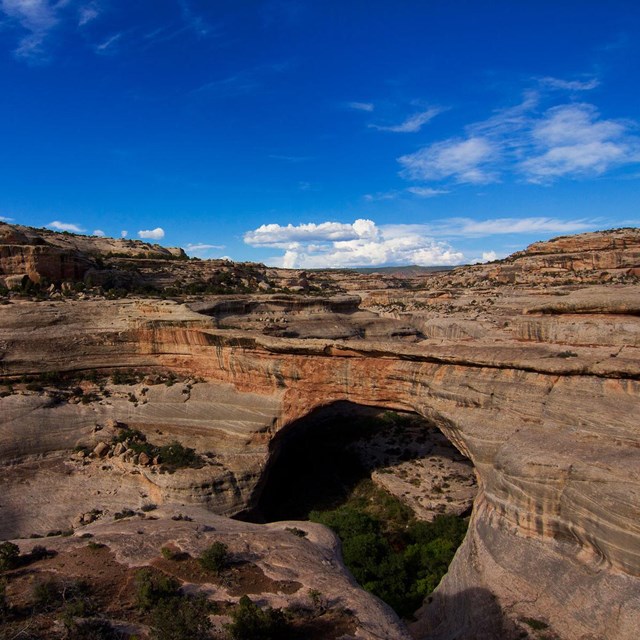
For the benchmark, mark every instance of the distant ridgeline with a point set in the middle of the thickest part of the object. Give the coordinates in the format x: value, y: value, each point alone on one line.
x: 40, y: 262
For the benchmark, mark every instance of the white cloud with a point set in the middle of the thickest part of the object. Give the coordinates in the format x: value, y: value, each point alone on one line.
x: 571, y: 140
x: 5, y: 219
x: 37, y: 17
x: 108, y: 43
x: 152, y: 234
x: 489, y: 256
x: 203, y: 247
x: 202, y: 250
x: 87, y: 14
x: 570, y: 85
x: 469, y: 228
x: 413, y: 123
x: 334, y: 245
x: 65, y: 226
x: 426, y: 192
x: 469, y: 160
x: 380, y: 195
x: 124, y: 233
x: 275, y: 235
x: 564, y: 141
x: 361, y: 106
x: 100, y: 233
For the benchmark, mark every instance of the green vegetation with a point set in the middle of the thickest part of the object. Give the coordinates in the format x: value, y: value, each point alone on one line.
x: 250, y: 622
x: 172, y: 456
x: 53, y: 594
x: 181, y: 618
x: 174, y: 616
x: 392, y: 555
x: 321, y: 477
x: 215, y: 558
x: 154, y: 587
x: 9, y: 555
x: 4, y: 604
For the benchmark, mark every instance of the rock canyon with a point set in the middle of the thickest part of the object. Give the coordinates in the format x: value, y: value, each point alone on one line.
x: 529, y: 367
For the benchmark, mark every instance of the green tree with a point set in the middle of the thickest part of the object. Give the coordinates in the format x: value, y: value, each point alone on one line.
x: 9, y: 554
x: 215, y: 558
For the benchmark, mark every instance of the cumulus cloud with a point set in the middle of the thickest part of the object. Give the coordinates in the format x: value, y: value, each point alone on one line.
x: 361, y: 243
x: 275, y: 235
x: 152, y: 234
x: 412, y: 124
x: 489, y: 256
x: 564, y: 141
x: 65, y: 226
x: 124, y: 233
x: 99, y: 232
x: 361, y: 106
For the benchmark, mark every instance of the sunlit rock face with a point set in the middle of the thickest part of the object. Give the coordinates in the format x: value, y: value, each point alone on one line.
x: 537, y: 383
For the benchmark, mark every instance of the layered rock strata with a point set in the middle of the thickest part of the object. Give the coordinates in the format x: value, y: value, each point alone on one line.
x: 538, y: 386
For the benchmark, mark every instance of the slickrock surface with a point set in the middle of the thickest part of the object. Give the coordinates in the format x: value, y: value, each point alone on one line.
x: 276, y: 567
x: 531, y: 367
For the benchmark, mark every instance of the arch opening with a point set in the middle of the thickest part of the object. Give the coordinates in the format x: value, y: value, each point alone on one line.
x: 391, y: 485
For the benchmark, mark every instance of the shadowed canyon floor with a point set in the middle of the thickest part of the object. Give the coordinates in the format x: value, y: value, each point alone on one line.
x: 530, y: 367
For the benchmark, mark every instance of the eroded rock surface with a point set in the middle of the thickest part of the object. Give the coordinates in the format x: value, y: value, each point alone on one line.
x: 531, y: 367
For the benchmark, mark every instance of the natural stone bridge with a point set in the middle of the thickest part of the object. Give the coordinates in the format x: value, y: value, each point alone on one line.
x: 553, y: 435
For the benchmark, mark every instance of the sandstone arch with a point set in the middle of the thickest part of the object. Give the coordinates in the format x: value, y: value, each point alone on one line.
x: 553, y: 439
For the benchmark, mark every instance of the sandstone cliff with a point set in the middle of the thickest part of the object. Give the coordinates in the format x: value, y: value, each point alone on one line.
x: 538, y: 385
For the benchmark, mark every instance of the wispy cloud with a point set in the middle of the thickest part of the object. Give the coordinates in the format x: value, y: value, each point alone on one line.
x: 65, y: 226
x: 335, y: 244
x: 202, y: 250
x: 469, y: 228
x: 361, y: 106
x: 5, y: 219
x: 538, y: 145
x: 108, y: 44
x: 240, y: 83
x: 292, y: 159
x: 426, y: 192
x: 194, y: 20
x: 570, y: 85
x: 203, y: 247
x: 38, y: 18
x: 468, y: 160
x: 572, y: 140
x: 99, y: 232
x: 412, y: 124
x: 380, y: 195
x: 88, y: 13
x: 152, y: 234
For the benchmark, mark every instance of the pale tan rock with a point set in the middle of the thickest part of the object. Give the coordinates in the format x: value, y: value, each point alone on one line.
x: 531, y: 367
x: 101, y: 449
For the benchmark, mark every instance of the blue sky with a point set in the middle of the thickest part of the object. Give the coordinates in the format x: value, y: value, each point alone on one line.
x: 322, y: 132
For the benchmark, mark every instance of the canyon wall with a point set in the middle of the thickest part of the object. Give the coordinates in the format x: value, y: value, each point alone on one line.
x: 538, y: 385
